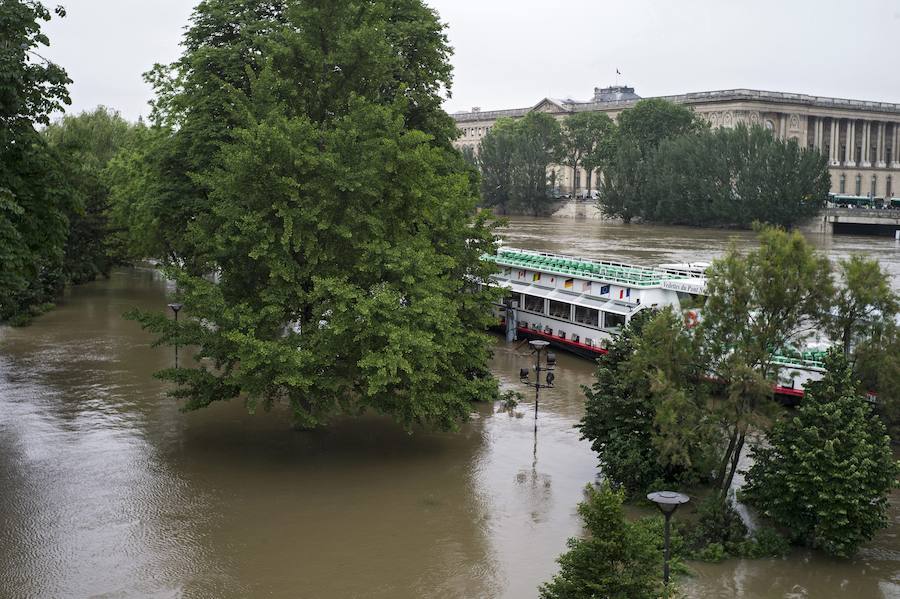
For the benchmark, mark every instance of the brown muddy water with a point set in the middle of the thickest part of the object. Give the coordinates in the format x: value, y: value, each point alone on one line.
x: 106, y: 489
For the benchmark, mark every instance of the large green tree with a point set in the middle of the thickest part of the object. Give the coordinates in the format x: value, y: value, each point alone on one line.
x: 639, y: 132
x: 864, y: 304
x: 538, y: 146
x: 34, y: 197
x: 646, y: 414
x: 496, y: 162
x: 757, y: 303
x: 733, y: 177
x: 587, y: 140
x: 339, y: 220
x: 824, y: 474
x: 87, y: 142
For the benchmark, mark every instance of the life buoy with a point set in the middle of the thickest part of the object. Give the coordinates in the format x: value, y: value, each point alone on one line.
x: 690, y: 319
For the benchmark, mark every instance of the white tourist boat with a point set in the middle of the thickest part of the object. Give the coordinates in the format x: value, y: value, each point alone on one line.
x: 580, y: 305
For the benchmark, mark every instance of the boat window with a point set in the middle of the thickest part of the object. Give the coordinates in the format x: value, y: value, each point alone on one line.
x: 587, y: 316
x: 534, y: 303
x: 560, y: 309
x: 611, y: 320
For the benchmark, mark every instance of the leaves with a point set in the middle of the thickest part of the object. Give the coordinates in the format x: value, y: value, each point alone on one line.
x: 825, y: 473
x: 320, y: 184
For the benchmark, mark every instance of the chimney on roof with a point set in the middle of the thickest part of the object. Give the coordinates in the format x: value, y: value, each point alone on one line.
x: 476, y: 109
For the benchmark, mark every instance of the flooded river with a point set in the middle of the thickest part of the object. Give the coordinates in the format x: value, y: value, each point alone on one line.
x: 106, y: 489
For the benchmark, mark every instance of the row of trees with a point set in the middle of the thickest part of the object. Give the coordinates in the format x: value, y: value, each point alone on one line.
x: 514, y: 157
x: 298, y: 150
x: 56, y: 219
x: 676, y: 407
x: 659, y: 162
x: 716, y: 178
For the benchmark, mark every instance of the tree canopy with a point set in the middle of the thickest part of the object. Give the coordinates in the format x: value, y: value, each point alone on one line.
x: 824, y: 473
x: 513, y: 159
x: 338, y: 218
x: 35, y: 200
x: 618, y: 559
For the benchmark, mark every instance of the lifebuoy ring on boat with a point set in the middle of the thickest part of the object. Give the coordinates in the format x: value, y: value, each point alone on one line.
x: 690, y: 319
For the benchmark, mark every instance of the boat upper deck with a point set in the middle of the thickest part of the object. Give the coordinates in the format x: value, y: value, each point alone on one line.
x: 596, y: 270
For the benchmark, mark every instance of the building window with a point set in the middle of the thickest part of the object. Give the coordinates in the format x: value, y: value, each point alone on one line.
x: 587, y: 316
x: 888, y: 189
x: 560, y: 310
x: 534, y: 303
x: 874, y: 184
x: 843, y: 184
x: 858, y: 184
x: 611, y: 320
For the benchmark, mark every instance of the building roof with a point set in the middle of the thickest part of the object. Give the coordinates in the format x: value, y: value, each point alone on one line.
x: 623, y: 97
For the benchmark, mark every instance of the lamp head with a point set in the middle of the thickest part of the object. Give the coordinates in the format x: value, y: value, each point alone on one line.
x: 176, y: 307
x: 668, y: 501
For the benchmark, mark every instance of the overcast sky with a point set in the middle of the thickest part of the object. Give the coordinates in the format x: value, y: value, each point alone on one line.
x: 512, y: 53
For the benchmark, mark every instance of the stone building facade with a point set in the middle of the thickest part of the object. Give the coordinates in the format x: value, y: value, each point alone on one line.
x: 861, y: 139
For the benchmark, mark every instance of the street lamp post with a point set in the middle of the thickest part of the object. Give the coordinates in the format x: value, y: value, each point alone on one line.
x: 176, y: 307
x: 667, y: 502
x: 550, y: 364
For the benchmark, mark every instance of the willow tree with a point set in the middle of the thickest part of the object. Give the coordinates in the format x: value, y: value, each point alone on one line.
x: 338, y: 217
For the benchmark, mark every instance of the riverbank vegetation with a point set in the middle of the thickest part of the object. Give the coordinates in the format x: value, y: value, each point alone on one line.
x: 658, y: 163
x: 675, y: 408
x: 330, y: 203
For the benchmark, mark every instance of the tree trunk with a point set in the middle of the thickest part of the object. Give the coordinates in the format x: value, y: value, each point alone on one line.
x: 736, y: 455
x: 589, y: 175
x: 726, y: 458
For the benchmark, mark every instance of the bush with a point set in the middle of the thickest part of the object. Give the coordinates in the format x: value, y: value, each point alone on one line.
x: 827, y: 472
x: 618, y: 559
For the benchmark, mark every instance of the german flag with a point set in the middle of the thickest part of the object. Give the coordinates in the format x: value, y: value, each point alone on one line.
x: 569, y: 283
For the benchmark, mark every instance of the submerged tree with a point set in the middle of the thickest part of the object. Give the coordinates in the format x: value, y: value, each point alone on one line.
x: 618, y: 559
x: 337, y: 215
x: 587, y: 139
x: 756, y: 304
x: 87, y: 143
x: 825, y: 473
x: 646, y: 413
x: 34, y: 197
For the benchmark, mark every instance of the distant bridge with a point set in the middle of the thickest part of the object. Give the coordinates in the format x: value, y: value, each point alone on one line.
x: 863, y: 221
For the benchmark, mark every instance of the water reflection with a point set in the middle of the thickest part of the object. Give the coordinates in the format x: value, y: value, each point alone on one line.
x: 107, y: 489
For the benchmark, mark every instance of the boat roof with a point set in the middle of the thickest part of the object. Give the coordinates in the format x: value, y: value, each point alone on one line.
x: 597, y: 270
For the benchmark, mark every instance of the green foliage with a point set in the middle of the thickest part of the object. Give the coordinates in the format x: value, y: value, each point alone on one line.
x: 876, y: 363
x: 653, y: 120
x: 86, y: 143
x: 669, y: 167
x: 733, y: 177
x: 34, y: 197
x: 618, y: 559
x: 864, y: 303
x: 757, y: 303
x: 513, y: 158
x: 826, y: 472
x: 587, y: 141
x: 645, y: 413
x: 640, y: 130
x: 718, y: 531
x: 340, y: 221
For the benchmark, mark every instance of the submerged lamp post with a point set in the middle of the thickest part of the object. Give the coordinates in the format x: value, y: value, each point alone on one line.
x: 547, y: 367
x: 667, y: 502
x: 176, y: 308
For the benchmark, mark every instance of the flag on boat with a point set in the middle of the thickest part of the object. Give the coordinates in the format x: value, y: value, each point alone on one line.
x: 536, y: 276
x: 604, y: 290
x: 569, y: 283
x: 521, y: 274
x: 586, y: 286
